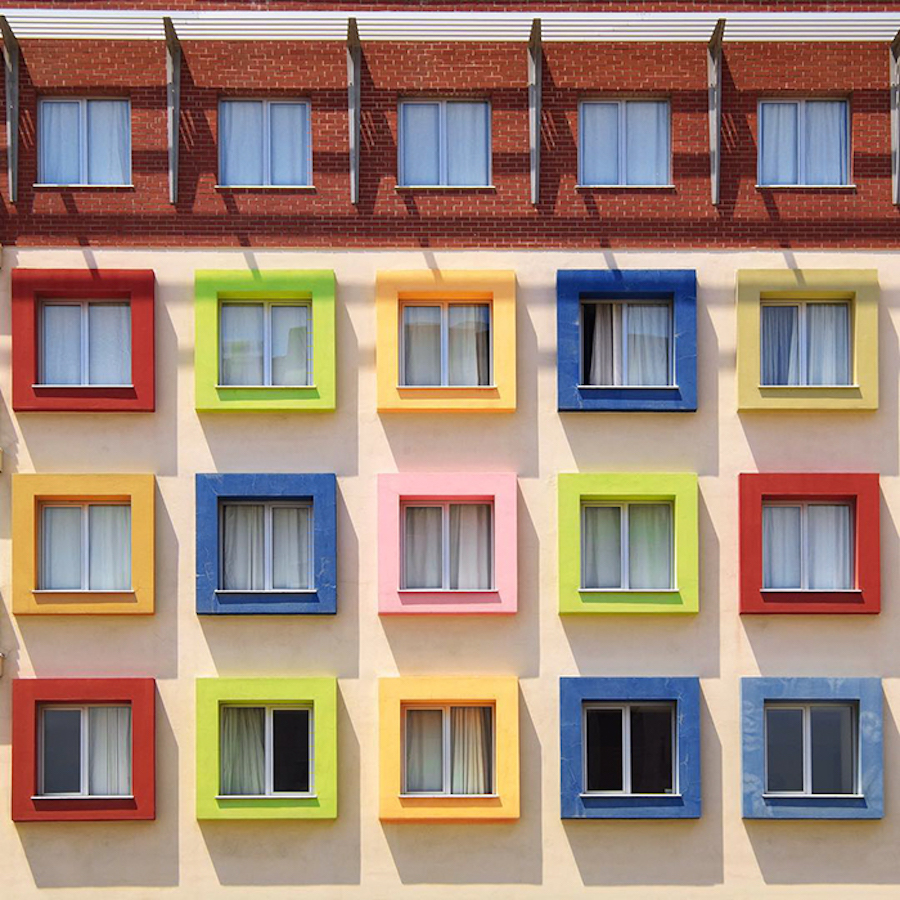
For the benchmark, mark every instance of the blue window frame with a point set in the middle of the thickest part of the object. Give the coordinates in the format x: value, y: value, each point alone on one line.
x: 662, y: 305
x: 679, y: 798
x: 303, y: 506
x: 790, y: 772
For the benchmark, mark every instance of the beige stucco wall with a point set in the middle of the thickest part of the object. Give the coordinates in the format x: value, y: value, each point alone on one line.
x: 720, y: 855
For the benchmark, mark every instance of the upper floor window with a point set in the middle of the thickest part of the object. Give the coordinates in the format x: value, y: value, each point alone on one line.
x: 264, y: 143
x: 624, y: 142
x: 804, y: 142
x: 445, y: 143
x: 85, y: 142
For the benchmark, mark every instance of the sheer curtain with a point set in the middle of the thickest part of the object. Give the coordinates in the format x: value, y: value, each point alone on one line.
x: 243, y: 563
x: 830, y: 547
x: 471, y: 743
x: 828, y: 343
x: 469, y: 344
x: 420, y: 143
x: 109, y: 547
x: 781, y: 547
x: 778, y: 162
x: 290, y: 345
x: 780, y: 349
x: 602, y: 547
x: 109, y: 346
x: 241, y: 142
x: 606, y: 348
x: 242, y: 343
x: 471, y: 547
x: 290, y: 548
x: 424, y: 751
x: 243, y: 750
x: 647, y: 136
x: 422, y: 345
x: 599, y: 123
x: 648, y: 344
x: 60, y: 141
x: 108, y: 142
x: 289, y: 143
x: 827, y: 141
x: 467, y: 143
x: 649, y: 546
x: 61, y: 344
x: 423, y: 547
x: 109, y: 754
x: 61, y: 548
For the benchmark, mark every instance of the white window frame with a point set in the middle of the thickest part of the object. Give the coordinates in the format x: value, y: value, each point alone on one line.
x: 625, y: 545
x: 268, y: 545
x: 443, y: 154
x: 446, y: 748
x: 807, y: 746
x: 800, y: 103
x: 268, y: 732
x: 84, y: 709
x: 625, y: 708
x: 82, y: 143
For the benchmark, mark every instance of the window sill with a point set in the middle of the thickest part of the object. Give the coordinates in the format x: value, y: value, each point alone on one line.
x: 767, y: 796
x: 81, y: 387
x: 624, y: 187
x: 87, y: 593
x: 445, y: 187
x: 308, y: 188
x: 619, y: 795
x: 584, y: 590
x: 628, y: 387
x: 267, y: 796
x: 424, y: 796
x: 265, y: 387
x: 289, y: 591
x: 446, y: 387
x: 808, y: 387
x: 70, y: 797
x: 83, y: 187
x: 450, y: 591
x: 812, y: 591
x: 850, y: 188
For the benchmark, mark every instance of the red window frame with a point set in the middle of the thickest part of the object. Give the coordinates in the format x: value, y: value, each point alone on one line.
x: 30, y: 693
x: 860, y: 489
x: 30, y: 287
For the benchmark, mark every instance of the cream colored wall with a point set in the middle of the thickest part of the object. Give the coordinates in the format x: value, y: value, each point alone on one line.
x: 720, y: 855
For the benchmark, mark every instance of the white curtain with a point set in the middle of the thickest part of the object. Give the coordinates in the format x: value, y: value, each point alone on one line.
x: 647, y: 137
x: 108, y: 142
x: 289, y: 143
x: 242, y: 343
x: 471, y: 547
x: 828, y: 343
x: 424, y: 751
x: 423, y: 542
x: 471, y: 743
x: 778, y: 163
x: 469, y: 344
x: 243, y: 563
x: 243, y: 750
x: 109, y: 343
x: 61, y: 344
x: 830, y: 547
x: 827, y: 141
x: 60, y: 141
x: 599, y: 143
x: 109, y: 754
x: 602, y: 547
x: 61, y: 548
x: 648, y: 344
x: 780, y: 349
x: 421, y: 345
x: 467, y: 143
x: 649, y: 546
x: 290, y: 548
x: 109, y: 557
x: 420, y: 143
x: 241, y: 142
x: 606, y: 347
x: 781, y: 547
x: 290, y: 345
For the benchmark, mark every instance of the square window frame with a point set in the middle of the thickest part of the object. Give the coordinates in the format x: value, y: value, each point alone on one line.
x: 30, y: 491
x: 320, y: 694
x: 32, y: 287
x: 678, y: 488
x: 318, y: 489
x: 678, y: 286
x: 313, y: 286
x: 862, y: 490
x: 574, y: 693
x: 28, y: 695
x: 867, y: 692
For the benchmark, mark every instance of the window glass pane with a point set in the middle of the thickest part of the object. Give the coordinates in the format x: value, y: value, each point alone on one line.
x: 108, y: 142
x: 109, y: 350
x: 828, y: 343
x: 468, y: 143
x: 650, y: 546
x: 604, y: 749
x: 109, y: 545
x: 421, y: 345
x: 61, y: 548
x: 648, y: 344
x: 424, y: 751
x: 423, y: 566
x: 419, y: 135
x: 830, y: 547
x: 651, y: 750
x: 602, y: 547
x: 242, y: 343
x: 647, y: 142
x: 109, y: 750
x: 827, y: 141
x: 778, y: 140
x: 602, y: 337
x: 241, y: 142
x: 784, y: 749
x: 60, y: 142
x: 61, y: 347
x: 290, y: 750
x: 833, y: 749
x: 471, y: 547
x: 243, y: 563
x: 599, y: 143
x: 469, y: 344
x: 781, y: 547
x: 290, y: 344
x: 62, y: 751
x: 289, y: 143
x: 471, y: 749
x: 290, y: 548
x: 243, y: 750
x: 780, y: 350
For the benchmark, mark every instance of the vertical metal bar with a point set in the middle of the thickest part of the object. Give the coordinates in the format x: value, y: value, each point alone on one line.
x: 354, y: 70
x: 714, y: 92
x: 11, y: 73
x: 173, y: 102
x: 535, y: 70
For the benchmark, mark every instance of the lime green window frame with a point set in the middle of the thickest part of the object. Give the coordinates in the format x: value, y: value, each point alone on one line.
x: 576, y: 490
x: 319, y: 694
x: 316, y: 287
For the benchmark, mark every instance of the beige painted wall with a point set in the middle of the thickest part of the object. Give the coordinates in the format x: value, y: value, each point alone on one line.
x: 720, y: 855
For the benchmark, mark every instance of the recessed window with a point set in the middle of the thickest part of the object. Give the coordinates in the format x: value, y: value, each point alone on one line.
x: 448, y: 546
x: 85, y: 547
x: 266, y: 546
x: 266, y: 751
x: 624, y: 142
x: 629, y: 748
x: 627, y: 546
x: 85, y: 343
x: 264, y: 143
x: 85, y: 751
x: 449, y: 750
x: 805, y: 344
x: 445, y: 143
x: 804, y: 142
x: 808, y: 546
x: 811, y: 748
x: 265, y: 344
x: 85, y: 142
x: 626, y: 344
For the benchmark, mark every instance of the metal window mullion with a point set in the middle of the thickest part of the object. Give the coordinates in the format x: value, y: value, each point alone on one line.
x: 85, y: 751
x: 445, y: 344
x: 85, y: 336
x: 623, y: 145
x: 448, y: 751
x: 268, y: 547
x: 85, y: 547
x: 626, y: 748
x: 443, y: 150
x: 624, y: 579
x: 269, y: 751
